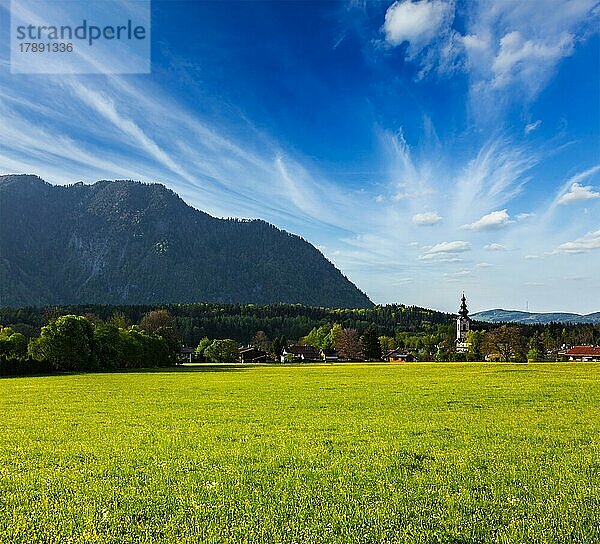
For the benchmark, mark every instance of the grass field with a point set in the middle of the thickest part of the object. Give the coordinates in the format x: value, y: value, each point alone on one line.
x: 449, y: 453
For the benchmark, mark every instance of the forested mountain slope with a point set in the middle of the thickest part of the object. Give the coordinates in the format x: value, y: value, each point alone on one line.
x: 124, y: 242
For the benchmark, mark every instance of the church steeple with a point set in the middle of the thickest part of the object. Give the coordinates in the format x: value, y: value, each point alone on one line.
x: 463, y: 325
x: 464, y: 312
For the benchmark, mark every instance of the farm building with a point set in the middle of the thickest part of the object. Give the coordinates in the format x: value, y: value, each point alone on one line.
x: 302, y: 353
x: 186, y: 354
x: 582, y: 353
x: 329, y: 355
x: 398, y: 356
x: 252, y: 355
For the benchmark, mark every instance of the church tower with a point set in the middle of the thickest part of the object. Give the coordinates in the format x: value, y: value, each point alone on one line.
x: 463, y: 324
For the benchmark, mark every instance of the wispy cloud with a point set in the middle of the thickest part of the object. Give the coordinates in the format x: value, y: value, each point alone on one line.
x: 572, y: 190
x: 440, y: 258
x: 457, y: 246
x: 532, y: 127
x: 525, y: 61
x: 525, y: 215
x: 107, y: 109
x: 458, y: 275
x: 496, y: 175
x: 495, y: 247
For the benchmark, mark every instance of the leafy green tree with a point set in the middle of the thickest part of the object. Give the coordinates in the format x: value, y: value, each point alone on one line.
x: 108, y: 346
x: 261, y: 341
x: 446, y: 350
x: 172, y: 340
x: 537, y: 350
x: 475, y: 341
x: 67, y: 343
x: 141, y: 349
x: 222, y: 351
x: 533, y: 355
x: 386, y: 343
x: 279, y: 344
x: 317, y: 337
x: 332, y: 337
x: 119, y: 319
x: 163, y: 324
x: 429, y: 347
x: 202, y: 345
x: 131, y: 347
x: 12, y: 344
x: 369, y: 344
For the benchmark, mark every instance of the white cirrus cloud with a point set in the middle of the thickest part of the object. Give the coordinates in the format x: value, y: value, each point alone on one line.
x: 418, y: 23
x: 531, y: 127
x: 402, y: 281
x: 577, y: 193
x: 457, y: 246
x: 523, y: 216
x: 497, y: 174
x: 491, y: 221
x: 426, y: 219
x: 484, y: 265
x: 495, y: 247
x: 440, y: 258
x: 586, y: 243
x: 457, y: 275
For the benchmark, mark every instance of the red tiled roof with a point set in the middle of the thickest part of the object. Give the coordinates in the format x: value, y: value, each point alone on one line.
x: 584, y: 351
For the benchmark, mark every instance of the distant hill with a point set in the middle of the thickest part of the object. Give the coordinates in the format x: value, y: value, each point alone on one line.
x: 513, y: 316
x: 124, y: 242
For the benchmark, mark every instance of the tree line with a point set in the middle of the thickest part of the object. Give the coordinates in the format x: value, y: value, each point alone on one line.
x: 87, y: 343
x: 96, y: 337
x: 241, y: 321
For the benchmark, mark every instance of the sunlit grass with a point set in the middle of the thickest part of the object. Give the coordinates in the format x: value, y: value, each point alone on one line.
x: 345, y: 453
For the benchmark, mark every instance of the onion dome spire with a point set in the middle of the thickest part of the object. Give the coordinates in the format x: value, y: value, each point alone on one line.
x: 464, y: 312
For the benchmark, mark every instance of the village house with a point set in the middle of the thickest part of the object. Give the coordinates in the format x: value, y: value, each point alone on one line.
x: 186, y: 354
x: 398, y: 356
x: 582, y: 353
x: 329, y: 355
x: 251, y: 354
x: 301, y: 353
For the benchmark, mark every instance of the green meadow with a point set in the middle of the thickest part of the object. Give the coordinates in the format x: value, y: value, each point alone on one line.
x: 365, y: 453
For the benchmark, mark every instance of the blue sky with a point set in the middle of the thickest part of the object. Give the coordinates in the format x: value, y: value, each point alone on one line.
x: 424, y: 147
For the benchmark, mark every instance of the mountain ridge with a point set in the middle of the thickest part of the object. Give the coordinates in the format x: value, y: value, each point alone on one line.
x: 127, y: 242
x: 499, y: 315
